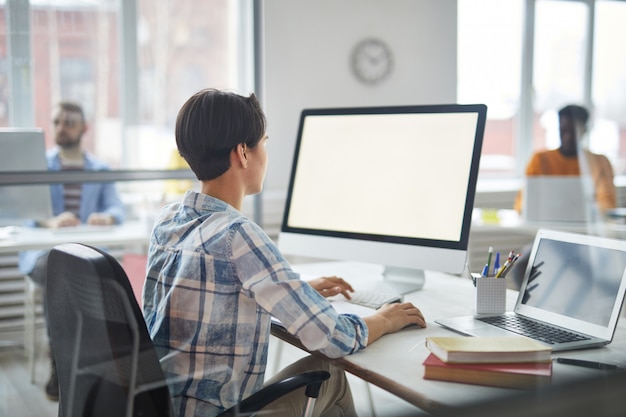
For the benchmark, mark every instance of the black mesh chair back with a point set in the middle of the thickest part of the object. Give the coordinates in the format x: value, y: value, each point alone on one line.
x: 106, y: 362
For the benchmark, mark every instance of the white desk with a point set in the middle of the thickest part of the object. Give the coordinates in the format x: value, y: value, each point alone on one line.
x: 126, y: 236
x: 26, y: 238
x: 394, y: 362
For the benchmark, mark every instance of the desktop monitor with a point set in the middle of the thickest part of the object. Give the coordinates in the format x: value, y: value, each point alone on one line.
x: 23, y: 150
x: 386, y: 185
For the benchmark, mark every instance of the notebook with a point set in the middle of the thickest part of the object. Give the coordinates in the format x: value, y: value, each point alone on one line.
x: 558, y: 199
x: 574, y: 285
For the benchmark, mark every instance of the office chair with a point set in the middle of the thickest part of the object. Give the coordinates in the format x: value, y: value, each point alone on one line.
x: 33, y: 297
x: 106, y: 362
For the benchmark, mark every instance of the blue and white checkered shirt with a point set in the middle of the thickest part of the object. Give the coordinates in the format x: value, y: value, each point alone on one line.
x: 214, y: 281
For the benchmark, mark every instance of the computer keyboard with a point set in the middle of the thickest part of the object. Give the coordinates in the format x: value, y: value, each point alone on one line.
x: 372, y: 299
x: 83, y: 228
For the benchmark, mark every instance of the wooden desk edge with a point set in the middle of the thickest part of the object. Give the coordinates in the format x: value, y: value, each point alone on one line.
x: 412, y: 397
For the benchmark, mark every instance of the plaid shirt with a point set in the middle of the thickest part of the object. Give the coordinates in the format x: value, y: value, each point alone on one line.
x: 214, y: 281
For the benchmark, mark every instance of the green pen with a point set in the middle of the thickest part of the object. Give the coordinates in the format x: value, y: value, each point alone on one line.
x: 488, y: 266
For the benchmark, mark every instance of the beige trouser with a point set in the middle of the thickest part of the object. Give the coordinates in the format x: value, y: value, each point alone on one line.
x: 335, y: 398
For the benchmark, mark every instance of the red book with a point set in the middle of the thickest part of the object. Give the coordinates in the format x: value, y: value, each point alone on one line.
x: 508, y: 375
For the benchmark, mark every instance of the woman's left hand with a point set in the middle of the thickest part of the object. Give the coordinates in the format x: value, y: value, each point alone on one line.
x: 329, y: 286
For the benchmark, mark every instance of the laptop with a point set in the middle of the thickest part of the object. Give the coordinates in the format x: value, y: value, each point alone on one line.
x: 573, y: 285
x: 554, y: 198
x: 23, y: 149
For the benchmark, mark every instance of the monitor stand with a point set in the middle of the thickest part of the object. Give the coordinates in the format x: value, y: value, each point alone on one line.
x: 399, y: 280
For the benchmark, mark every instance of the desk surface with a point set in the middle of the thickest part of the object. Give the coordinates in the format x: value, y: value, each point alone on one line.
x: 26, y: 238
x: 394, y: 362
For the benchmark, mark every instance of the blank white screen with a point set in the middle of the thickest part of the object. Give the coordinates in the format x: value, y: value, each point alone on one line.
x: 384, y: 174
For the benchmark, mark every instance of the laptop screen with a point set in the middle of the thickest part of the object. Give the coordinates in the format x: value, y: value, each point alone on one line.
x: 575, y: 279
x: 23, y: 149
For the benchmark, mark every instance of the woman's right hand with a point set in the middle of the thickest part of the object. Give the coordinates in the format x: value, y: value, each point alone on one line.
x: 391, y: 318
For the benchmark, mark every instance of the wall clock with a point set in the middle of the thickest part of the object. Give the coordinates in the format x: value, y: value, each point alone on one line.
x: 371, y: 61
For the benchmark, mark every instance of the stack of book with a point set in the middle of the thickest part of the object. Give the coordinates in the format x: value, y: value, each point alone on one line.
x: 511, y: 362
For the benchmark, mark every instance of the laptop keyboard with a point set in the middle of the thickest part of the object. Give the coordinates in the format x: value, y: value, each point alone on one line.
x: 535, y: 330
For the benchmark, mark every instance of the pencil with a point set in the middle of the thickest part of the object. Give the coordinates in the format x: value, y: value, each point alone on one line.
x: 506, y: 270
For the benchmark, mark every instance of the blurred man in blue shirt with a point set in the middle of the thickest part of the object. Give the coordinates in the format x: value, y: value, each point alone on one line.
x: 75, y: 203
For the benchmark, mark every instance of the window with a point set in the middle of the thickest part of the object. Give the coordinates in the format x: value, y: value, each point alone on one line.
x: 180, y: 47
x: 74, y: 51
x: 183, y: 46
x: 4, y: 86
x: 571, y: 60
x: 559, y: 66
x: 609, y: 82
x: 489, y: 71
x: 131, y: 64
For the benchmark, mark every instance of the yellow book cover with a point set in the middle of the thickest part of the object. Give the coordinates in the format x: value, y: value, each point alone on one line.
x: 507, y: 349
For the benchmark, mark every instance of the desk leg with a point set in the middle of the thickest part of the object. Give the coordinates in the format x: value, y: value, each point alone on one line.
x: 278, y: 355
x: 370, y: 397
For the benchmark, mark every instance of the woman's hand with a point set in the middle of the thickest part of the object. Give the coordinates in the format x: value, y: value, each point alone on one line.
x: 391, y: 318
x: 401, y: 315
x: 329, y: 286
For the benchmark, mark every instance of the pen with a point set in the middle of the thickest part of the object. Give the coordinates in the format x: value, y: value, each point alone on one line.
x: 496, y: 264
x: 489, y: 260
x: 503, y: 268
x: 588, y: 364
x: 511, y: 255
x: 510, y: 265
x: 485, y: 270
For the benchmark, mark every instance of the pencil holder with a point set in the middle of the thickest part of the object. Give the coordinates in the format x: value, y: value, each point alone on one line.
x: 490, y: 295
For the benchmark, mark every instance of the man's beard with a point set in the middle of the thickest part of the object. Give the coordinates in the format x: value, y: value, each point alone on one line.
x: 66, y: 142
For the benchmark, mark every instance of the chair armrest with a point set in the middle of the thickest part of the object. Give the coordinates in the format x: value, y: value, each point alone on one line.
x: 312, y: 380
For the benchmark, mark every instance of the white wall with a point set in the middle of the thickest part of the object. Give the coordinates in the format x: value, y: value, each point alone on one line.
x: 307, y: 46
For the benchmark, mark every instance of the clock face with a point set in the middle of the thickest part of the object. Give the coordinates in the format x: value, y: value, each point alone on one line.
x: 371, y: 61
